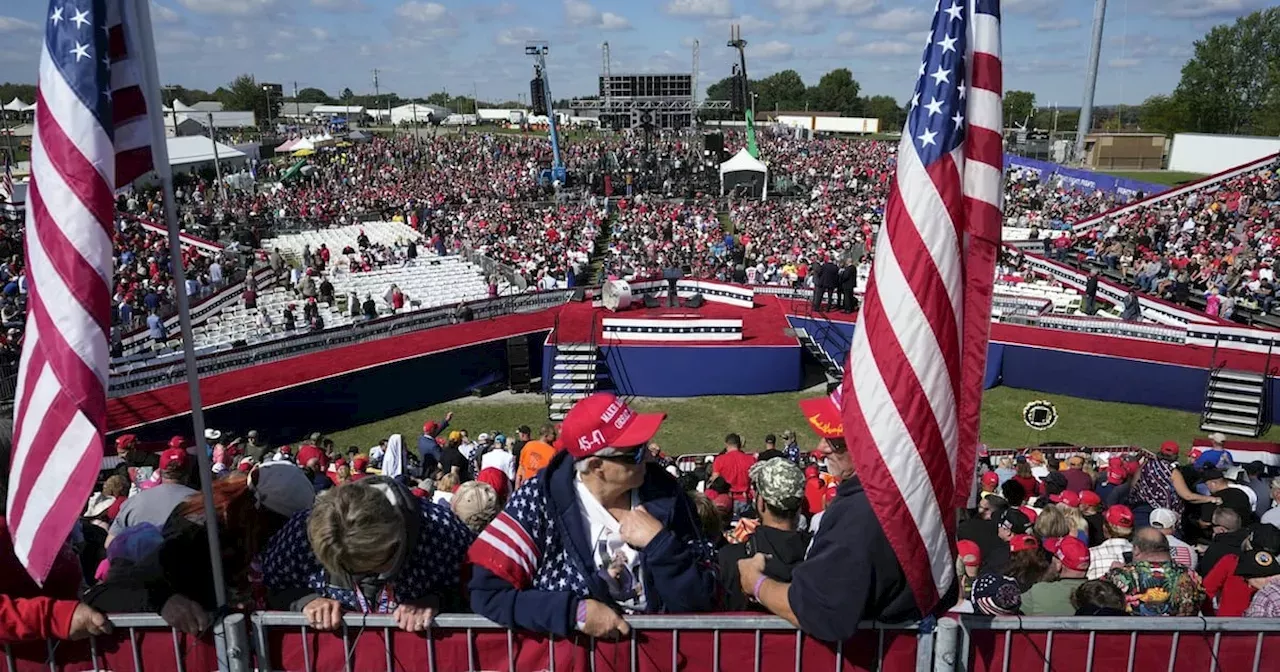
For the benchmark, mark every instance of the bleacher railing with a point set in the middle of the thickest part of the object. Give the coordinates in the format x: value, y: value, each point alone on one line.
x: 387, y: 327
x: 716, y: 642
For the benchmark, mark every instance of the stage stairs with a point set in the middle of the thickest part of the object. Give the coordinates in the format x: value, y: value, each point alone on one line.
x: 578, y: 371
x: 1235, y: 403
x: 833, y: 369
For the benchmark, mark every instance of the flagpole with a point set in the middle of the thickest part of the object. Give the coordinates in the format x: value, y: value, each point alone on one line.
x: 160, y: 157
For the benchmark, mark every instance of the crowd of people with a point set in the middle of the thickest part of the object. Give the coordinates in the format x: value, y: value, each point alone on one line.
x: 574, y: 527
x: 1218, y: 241
x: 1117, y: 534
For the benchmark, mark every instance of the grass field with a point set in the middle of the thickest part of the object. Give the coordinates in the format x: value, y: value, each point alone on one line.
x: 1168, y: 177
x: 699, y: 425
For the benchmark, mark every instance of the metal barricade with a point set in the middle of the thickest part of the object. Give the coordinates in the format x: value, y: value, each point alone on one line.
x: 657, y: 643
x: 1114, y: 644
x: 139, y: 642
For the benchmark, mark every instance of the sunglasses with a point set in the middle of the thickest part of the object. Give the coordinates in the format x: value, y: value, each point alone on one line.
x: 635, y: 456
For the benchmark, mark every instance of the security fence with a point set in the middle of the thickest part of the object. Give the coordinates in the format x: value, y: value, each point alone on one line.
x: 271, y: 641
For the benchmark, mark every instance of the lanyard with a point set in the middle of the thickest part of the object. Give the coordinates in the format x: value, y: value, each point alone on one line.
x: 386, y: 596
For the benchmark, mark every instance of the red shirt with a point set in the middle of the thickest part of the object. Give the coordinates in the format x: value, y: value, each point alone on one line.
x: 732, y: 467
x: 1233, y: 592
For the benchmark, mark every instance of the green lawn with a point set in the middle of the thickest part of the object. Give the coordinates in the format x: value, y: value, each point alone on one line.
x: 698, y: 425
x: 1167, y: 177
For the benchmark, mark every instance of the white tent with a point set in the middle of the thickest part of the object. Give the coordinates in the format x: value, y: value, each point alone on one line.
x: 199, y: 150
x: 747, y: 171
x: 413, y: 112
x: 15, y: 105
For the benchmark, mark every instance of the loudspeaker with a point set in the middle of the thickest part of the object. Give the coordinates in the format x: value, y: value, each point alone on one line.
x: 518, y: 376
x: 579, y: 294
x: 713, y: 144
x: 537, y: 96
x: 695, y: 301
x: 650, y: 301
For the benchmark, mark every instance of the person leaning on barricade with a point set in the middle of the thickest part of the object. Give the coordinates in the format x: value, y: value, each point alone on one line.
x: 368, y: 546
x: 598, y: 533
x: 851, y: 572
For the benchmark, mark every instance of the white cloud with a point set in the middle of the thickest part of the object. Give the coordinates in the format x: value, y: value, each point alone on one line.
x: 846, y: 38
x: 163, y: 15
x: 798, y: 6
x: 421, y: 12
x: 276, y: 56
x: 698, y: 8
x: 8, y: 24
x: 1121, y: 63
x: 491, y: 12
x: 583, y: 14
x: 898, y: 20
x: 340, y: 5
x: 513, y: 37
x: 773, y: 49
x: 750, y: 24
x: 229, y: 7
x: 887, y: 48
x: 1198, y: 9
x: 802, y: 24
x: 855, y: 7
x: 611, y: 21
x: 1039, y: 7
x: 1058, y: 24
x: 319, y: 33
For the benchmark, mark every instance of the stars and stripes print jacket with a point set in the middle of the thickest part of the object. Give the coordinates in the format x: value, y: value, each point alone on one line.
x: 533, y: 563
x: 433, y: 566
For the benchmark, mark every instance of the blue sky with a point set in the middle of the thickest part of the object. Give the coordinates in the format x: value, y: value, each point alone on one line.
x: 421, y: 46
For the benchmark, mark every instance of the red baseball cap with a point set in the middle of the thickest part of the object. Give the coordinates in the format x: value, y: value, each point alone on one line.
x: 177, y: 442
x: 126, y: 440
x: 604, y: 421
x: 1067, y: 497
x: 1030, y: 513
x: 309, y: 452
x: 1071, y: 552
x: 1115, y: 471
x: 359, y: 463
x: 969, y: 552
x: 173, y: 457
x: 990, y: 480
x: 429, y: 427
x: 1119, y: 516
x: 1170, y: 448
x: 418, y: 492
x: 1023, y: 542
x: 1090, y: 498
x: 824, y: 414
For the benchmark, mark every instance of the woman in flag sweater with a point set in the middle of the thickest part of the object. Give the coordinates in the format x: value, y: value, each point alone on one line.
x: 596, y: 534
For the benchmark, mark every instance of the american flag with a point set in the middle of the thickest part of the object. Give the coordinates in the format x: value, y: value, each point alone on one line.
x: 913, y: 391
x: 6, y: 180
x: 91, y: 136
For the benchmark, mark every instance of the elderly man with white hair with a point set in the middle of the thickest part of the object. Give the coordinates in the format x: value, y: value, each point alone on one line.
x: 598, y: 533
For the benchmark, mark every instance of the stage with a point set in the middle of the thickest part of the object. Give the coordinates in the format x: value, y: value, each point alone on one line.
x: 677, y: 361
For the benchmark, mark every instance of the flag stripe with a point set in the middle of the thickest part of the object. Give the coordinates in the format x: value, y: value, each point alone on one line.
x: 910, y: 402
x: 87, y: 77
x: 64, y: 157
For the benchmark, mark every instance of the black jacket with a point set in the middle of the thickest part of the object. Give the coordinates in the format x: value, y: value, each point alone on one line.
x: 786, y: 548
x: 985, y: 533
x: 828, y: 276
x: 848, y: 278
x: 1227, y: 543
x: 851, y: 573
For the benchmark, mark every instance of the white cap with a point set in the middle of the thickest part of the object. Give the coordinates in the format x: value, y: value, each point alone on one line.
x: 212, y: 434
x: 1218, y: 437
x: 1164, y: 519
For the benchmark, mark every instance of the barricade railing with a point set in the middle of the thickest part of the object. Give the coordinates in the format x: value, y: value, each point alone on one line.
x: 656, y: 643
x: 1010, y: 644
x: 138, y: 643
x: 270, y: 641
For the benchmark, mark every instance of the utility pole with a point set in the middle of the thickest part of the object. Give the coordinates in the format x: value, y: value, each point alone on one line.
x: 693, y: 114
x: 376, y: 96
x: 297, y: 107
x: 217, y: 164
x: 1091, y: 79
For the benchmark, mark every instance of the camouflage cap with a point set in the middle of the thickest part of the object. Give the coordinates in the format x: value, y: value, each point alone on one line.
x: 779, y: 481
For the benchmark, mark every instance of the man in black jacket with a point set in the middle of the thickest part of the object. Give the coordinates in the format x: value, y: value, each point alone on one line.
x: 779, y: 487
x: 851, y: 573
x: 848, y: 283
x: 825, y: 283
x: 1091, y: 293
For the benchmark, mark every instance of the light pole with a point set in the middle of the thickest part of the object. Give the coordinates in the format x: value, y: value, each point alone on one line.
x: 217, y: 164
x: 1091, y: 79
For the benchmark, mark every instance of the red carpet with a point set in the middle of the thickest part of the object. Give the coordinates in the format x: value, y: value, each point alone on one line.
x: 166, y: 402
x: 763, y: 325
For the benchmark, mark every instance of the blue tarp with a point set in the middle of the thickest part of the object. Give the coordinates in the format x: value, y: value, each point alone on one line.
x: 1083, y: 178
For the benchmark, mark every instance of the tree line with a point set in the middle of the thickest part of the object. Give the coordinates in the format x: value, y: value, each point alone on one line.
x: 836, y: 91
